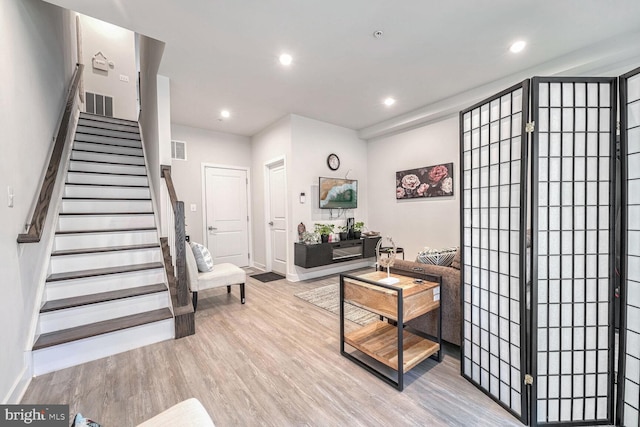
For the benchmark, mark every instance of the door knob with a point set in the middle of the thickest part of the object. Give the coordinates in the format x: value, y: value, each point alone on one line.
x: 211, y: 228
x: 270, y: 222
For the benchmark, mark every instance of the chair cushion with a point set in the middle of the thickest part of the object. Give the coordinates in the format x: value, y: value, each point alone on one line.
x: 456, y: 260
x: 203, y: 257
x: 189, y: 412
x: 223, y: 275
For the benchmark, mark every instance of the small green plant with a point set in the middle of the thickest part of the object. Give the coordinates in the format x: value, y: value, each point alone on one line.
x: 343, y: 228
x: 324, y: 229
x: 358, y: 226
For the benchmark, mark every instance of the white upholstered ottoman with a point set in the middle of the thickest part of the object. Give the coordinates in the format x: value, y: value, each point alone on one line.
x: 187, y: 413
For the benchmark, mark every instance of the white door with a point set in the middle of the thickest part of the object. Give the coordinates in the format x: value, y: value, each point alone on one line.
x: 226, y: 214
x: 277, y: 218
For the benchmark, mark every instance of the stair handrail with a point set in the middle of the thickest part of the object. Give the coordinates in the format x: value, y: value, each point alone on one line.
x: 34, y: 234
x: 177, y: 237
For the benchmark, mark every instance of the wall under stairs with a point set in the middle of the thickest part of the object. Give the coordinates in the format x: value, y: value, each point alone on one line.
x: 106, y: 291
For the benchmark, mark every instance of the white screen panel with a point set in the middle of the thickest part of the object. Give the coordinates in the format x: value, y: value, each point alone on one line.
x: 572, y: 251
x: 493, y: 180
x: 629, y: 402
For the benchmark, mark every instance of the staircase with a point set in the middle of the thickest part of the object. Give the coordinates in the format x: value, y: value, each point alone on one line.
x: 106, y: 291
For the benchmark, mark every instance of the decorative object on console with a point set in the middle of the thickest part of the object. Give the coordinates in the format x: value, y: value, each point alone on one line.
x: 344, y: 232
x: 357, y: 229
x: 324, y: 230
x: 333, y: 161
x: 310, y: 238
x: 387, y: 262
x: 443, y: 257
x: 430, y: 181
x: 301, y: 230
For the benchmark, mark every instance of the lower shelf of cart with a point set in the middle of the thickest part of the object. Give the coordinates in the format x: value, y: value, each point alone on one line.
x: 380, y: 341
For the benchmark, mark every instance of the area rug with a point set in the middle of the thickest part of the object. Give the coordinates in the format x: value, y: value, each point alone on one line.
x: 328, y: 298
x: 268, y: 277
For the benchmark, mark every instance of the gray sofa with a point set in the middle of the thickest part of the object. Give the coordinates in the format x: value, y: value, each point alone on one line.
x: 450, y: 294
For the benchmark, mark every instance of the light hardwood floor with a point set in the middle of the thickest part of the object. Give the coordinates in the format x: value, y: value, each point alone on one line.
x: 273, y: 361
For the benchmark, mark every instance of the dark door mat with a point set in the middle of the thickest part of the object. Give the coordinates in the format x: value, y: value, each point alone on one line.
x: 268, y: 277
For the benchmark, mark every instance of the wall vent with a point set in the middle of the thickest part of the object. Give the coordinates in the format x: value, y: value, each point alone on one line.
x: 178, y: 150
x: 100, y: 105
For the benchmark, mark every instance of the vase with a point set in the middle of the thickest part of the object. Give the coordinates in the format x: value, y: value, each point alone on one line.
x: 357, y: 234
x: 344, y: 235
x: 324, y: 238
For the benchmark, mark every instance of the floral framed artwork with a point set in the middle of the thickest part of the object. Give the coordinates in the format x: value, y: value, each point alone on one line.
x: 430, y: 181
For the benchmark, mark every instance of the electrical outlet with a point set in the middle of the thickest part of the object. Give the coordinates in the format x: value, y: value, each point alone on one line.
x: 10, y: 197
x: 124, y: 78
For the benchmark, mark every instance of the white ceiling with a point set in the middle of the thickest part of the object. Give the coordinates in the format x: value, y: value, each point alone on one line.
x: 224, y: 54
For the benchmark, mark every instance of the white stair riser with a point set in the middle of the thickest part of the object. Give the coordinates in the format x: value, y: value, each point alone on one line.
x: 99, y: 206
x: 106, y: 168
x: 108, y: 140
x: 107, y: 132
x: 108, y: 158
x: 66, y: 263
x: 104, y: 222
x: 103, y: 240
x: 106, y: 119
x: 106, y: 283
x: 107, y: 192
x: 77, y: 352
x: 92, y: 178
x: 83, y: 315
x: 107, y: 125
x: 109, y: 149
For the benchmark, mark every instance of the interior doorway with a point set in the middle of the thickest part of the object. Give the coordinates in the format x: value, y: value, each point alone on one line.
x: 276, y: 216
x: 226, y: 217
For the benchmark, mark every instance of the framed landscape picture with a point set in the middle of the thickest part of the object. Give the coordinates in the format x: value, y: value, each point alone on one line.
x: 430, y: 181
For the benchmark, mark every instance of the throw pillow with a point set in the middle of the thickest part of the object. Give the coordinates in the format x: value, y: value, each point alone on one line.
x: 80, y: 421
x: 456, y: 260
x: 442, y: 257
x: 202, y: 256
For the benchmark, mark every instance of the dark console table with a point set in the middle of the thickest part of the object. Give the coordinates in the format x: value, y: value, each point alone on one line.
x: 308, y: 256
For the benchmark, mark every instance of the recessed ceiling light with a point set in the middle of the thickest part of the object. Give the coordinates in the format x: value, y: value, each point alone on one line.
x: 518, y: 46
x: 389, y: 102
x: 285, y: 59
x: 225, y: 114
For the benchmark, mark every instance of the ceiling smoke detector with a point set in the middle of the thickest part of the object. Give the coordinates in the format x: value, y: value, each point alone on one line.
x: 378, y: 34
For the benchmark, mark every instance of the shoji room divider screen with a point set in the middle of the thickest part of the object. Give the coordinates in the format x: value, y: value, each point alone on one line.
x: 629, y: 361
x: 538, y: 332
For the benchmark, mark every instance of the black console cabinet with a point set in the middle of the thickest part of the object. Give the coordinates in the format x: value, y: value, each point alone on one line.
x: 308, y: 256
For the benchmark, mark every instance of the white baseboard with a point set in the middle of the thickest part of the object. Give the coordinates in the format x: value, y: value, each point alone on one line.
x: 259, y: 266
x: 20, y: 385
x: 312, y: 273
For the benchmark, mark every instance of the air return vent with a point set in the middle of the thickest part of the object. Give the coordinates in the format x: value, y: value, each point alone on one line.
x: 178, y: 150
x: 100, y: 105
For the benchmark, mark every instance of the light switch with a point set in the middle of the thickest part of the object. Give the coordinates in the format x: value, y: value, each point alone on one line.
x: 124, y: 78
x: 10, y: 197
x: 193, y: 207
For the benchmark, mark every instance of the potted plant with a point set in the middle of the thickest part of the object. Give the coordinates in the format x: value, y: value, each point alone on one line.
x: 343, y: 232
x: 324, y: 230
x: 357, y: 229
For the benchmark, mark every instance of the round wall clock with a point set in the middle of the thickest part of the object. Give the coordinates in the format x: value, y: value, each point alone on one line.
x: 333, y: 161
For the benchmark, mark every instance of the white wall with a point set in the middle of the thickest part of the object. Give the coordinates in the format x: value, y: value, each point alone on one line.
x: 118, y: 45
x: 151, y: 51
x: 312, y: 142
x: 415, y: 223
x: 204, y: 146
x: 271, y: 143
x: 37, y: 42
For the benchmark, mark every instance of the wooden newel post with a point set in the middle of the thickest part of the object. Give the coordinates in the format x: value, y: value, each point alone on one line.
x: 181, y: 260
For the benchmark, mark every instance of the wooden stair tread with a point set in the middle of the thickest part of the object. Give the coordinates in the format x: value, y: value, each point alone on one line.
x: 108, y: 154
x: 113, y: 230
x: 104, y: 249
x: 103, y: 213
x: 106, y: 173
x: 122, y: 199
x: 94, y: 329
x: 108, y: 185
x: 91, y: 132
x: 106, y: 163
x: 81, y: 300
x: 103, y: 271
x: 108, y: 145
